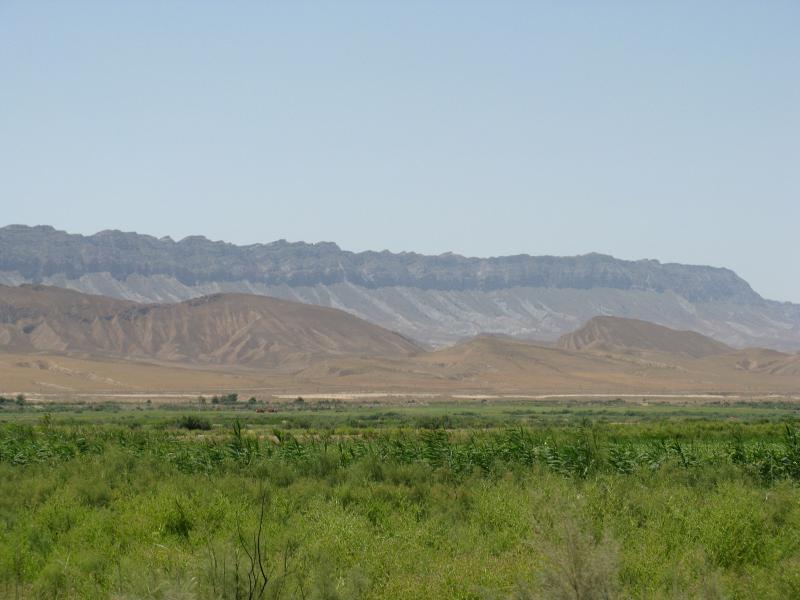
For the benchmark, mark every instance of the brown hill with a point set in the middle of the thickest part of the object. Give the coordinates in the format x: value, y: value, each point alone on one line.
x: 761, y: 360
x: 226, y: 329
x: 55, y: 341
x: 488, y: 366
x: 492, y: 365
x: 31, y: 302
x: 632, y: 335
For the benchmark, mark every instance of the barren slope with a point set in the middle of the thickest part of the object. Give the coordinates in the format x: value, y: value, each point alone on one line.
x: 485, y: 366
x: 616, y: 333
x: 500, y: 366
x: 60, y: 341
x: 759, y: 360
x: 229, y: 329
x: 64, y: 376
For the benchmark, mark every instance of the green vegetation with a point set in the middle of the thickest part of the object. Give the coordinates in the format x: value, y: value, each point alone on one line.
x: 226, y: 399
x: 461, y: 501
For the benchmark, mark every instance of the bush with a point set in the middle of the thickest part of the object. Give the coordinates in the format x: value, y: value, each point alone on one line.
x: 226, y: 399
x: 19, y: 400
x: 194, y: 422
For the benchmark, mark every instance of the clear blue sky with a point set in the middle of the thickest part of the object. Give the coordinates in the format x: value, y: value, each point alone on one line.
x: 666, y: 130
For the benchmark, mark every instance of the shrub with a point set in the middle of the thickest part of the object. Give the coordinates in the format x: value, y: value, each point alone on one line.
x: 194, y: 422
x: 177, y: 522
x: 226, y: 399
x: 580, y: 568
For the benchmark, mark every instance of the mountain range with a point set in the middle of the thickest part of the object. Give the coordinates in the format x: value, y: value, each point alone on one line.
x: 54, y: 340
x: 435, y: 300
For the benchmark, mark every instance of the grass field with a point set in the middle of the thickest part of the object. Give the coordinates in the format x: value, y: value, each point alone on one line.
x: 455, y: 500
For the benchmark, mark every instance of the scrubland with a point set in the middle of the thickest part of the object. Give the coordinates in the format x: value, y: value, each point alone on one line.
x: 462, y: 501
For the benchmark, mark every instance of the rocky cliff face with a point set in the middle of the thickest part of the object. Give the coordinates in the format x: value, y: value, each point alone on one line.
x: 435, y: 299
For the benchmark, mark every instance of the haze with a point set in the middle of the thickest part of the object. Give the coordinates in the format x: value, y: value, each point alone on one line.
x: 642, y: 131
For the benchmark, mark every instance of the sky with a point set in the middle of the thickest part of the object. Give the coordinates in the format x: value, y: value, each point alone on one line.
x: 666, y: 130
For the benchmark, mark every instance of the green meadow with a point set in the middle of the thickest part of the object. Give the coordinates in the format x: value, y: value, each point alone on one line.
x: 471, y: 500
